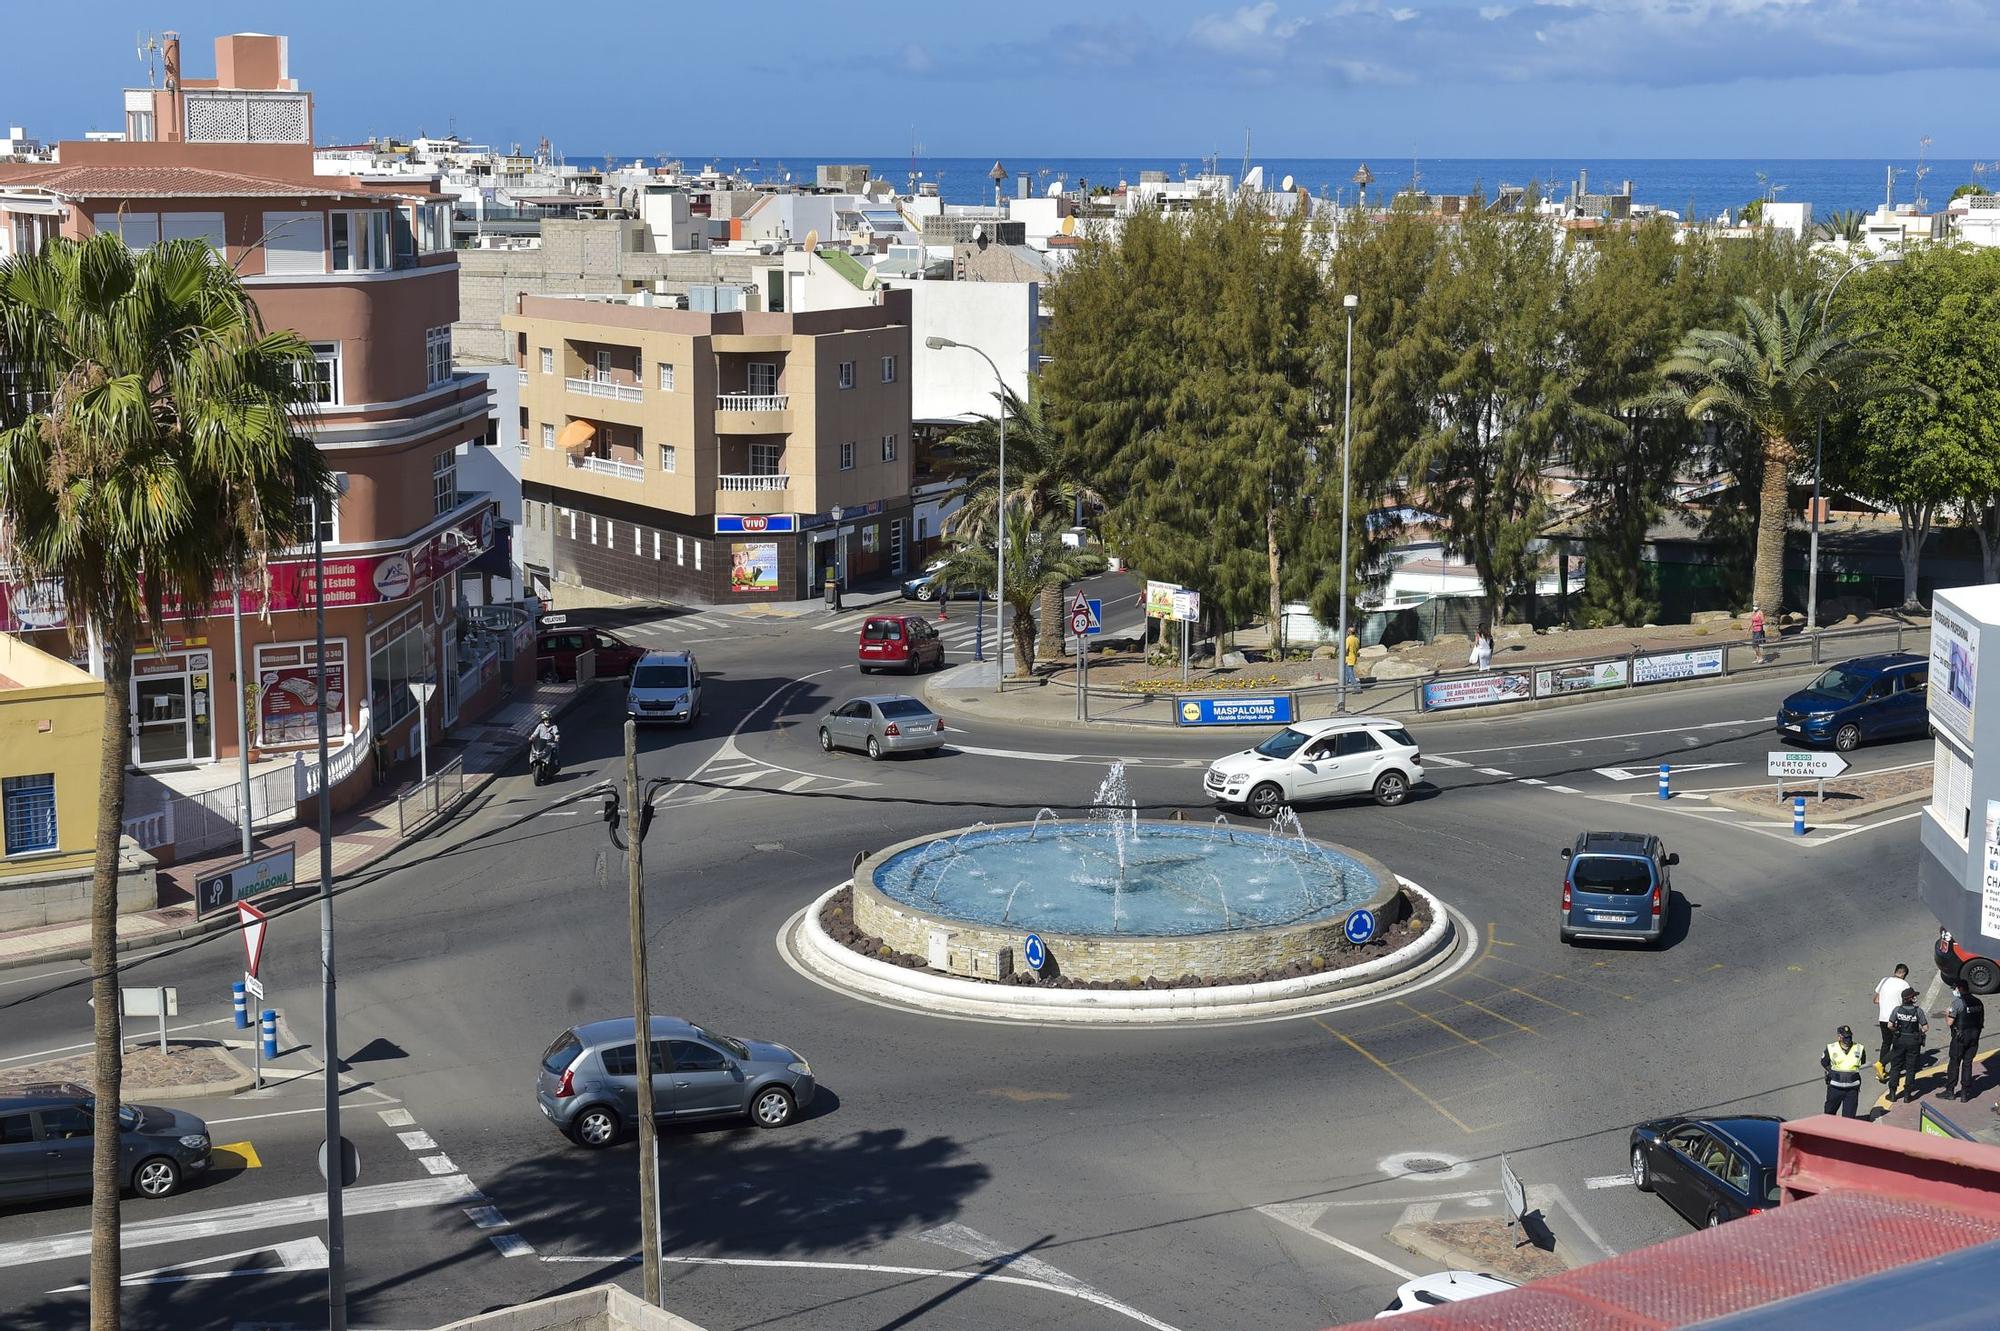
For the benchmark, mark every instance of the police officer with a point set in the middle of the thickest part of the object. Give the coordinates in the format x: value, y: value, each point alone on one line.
x: 1968, y: 1021
x: 1907, y: 1028
x: 1842, y: 1061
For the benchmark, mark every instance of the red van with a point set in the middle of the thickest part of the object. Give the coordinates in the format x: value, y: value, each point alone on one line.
x: 899, y: 642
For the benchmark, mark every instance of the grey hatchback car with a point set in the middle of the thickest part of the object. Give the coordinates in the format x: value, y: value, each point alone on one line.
x: 46, y: 1134
x: 589, y: 1088
x: 881, y: 724
x: 1616, y: 886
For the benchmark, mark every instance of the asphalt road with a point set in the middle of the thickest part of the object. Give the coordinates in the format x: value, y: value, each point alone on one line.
x: 959, y: 1173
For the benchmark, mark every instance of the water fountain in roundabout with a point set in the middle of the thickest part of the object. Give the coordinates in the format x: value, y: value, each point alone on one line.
x: 1115, y: 898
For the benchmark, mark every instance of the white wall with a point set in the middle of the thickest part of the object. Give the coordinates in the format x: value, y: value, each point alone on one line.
x: 997, y: 317
x: 497, y: 471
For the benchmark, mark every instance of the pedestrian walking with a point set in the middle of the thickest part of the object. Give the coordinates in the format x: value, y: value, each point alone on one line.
x: 1482, y: 651
x: 1757, y: 633
x: 1888, y: 993
x: 1842, y: 1060
x: 1351, y: 658
x: 1907, y: 1028
x: 1968, y: 1022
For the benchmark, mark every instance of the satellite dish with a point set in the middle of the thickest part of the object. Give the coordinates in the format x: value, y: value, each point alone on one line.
x: 1069, y: 225
x: 1286, y: 184
x: 979, y: 232
x: 812, y: 241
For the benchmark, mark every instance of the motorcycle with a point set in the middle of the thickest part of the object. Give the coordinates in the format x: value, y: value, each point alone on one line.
x: 545, y: 761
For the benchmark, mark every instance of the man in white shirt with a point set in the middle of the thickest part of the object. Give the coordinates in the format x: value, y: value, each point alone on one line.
x: 1888, y: 993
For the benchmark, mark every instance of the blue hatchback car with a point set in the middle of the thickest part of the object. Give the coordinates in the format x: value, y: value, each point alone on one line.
x: 1868, y: 698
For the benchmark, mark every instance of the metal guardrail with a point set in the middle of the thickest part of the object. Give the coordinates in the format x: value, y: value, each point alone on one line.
x: 430, y: 797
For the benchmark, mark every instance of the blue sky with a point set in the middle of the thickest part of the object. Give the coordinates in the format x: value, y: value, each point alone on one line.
x: 1176, y: 78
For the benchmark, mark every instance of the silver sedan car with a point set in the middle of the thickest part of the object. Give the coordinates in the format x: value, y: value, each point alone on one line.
x: 881, y: 724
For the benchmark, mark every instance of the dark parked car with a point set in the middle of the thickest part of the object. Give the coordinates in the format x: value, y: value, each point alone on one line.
x: 558, y: 644
x: 45, y: 1144
x: 926, y: 587
x: 1868, y: 698
x: 1709, y: 1169
x: 588, y: 1084
x: 1616, y: 886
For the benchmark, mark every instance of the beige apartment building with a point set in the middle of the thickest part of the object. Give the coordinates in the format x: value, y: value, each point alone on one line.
x: 720, y: 457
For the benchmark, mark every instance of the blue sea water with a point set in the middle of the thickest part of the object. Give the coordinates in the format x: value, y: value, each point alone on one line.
x: 1689, y: 186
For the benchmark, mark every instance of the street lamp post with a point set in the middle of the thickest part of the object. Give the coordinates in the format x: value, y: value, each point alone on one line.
x: 1819, y: 442
x: 839, y: 572
x: 1346, y: 448
x: 999, y: 510
x: 336, y: 1241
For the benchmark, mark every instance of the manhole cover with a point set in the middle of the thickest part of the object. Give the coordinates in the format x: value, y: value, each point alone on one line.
x: 1428, y: 1165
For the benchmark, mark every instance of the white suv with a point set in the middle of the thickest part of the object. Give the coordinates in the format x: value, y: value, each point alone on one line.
x: 1326, y: 759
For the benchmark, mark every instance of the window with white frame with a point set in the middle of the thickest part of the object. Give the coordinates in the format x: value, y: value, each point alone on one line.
x: 437, y: 355
x: 329, y: 519
x: 680, y: 550
x: 847, y: 374
x: 888, y: 448
x: 361, y: 241
x: 593, y: 530
x: 637, y: 538
x: 697, y: 556
x: 548, y: 361
x: 444, y: 482
x: 888, y: 369
x: 548, y: 435
x: 434, y: 228
x: 847, y: 457
x: 666, y: 377
x: 322, y: 376
x: 669, y: 458
x: 764, y: 459
x: 656, y: 547
x: 28, y: 805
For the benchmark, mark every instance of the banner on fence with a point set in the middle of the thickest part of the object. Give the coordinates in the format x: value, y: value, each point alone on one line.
x: 1478, y: 690
x: 1659, y: 667
x: 1560, y: 681
x: 1263, y: 709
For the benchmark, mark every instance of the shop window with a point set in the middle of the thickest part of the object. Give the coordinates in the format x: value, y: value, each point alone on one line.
x: 28, y: 804
x: 288, y: 676
x: 395, y: 662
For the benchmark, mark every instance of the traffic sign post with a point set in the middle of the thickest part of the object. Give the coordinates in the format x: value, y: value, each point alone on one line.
x: 1085, y: 618
x: 255, y: 923
x: 1360, y: 926
x: 1517, y: 1198
x: 1034, y: 953
x: 1784, y: 765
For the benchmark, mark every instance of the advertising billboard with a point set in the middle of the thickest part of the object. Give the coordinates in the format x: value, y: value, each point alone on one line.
x: 1660, y: 667
x: 1263, y: 709
x: 1478, y: 690
x: 1954, y: 670
x: 1587, y: 677
x: 753, y: 566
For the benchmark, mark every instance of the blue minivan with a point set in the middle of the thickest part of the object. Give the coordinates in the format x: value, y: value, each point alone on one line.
x: 1870, y: 697
x: 1616, y: 887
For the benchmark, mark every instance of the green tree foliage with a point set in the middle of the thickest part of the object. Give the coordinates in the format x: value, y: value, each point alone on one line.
x: 1037, y: 560
x: 1846, y: 224
x: 1937, y: 315
x: 150, y: 450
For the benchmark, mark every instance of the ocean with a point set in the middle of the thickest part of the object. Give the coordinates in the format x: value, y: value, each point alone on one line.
x: 1689, y: 186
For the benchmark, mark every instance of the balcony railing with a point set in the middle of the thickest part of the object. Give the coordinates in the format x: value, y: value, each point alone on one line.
x: 754, y: 484
x: 753, y: 401
x: 624, y: 471
x: 524, y: 447
x: 605, y: 388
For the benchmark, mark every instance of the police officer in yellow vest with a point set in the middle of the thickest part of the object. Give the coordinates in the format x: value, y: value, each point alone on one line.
x: 1842, y: 1061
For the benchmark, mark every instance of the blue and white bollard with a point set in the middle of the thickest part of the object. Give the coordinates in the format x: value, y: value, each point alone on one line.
x: 239, y: 1003
x: 1666, y: 789
x: 1798, y: 815
x: 270, y: 1025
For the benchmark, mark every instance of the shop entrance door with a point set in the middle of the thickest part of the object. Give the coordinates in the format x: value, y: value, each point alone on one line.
x: 160, y: 707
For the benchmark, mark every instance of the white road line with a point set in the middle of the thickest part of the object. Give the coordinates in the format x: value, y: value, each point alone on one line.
x: 72, y: 1048
x: 1566, y: 790
x: 877, y: 1268
x: 438, y: 1164
x: 276, y: 1113
x: 295, y: 1255
x: 395, y: 1118
x: 1609, y: 1181
x: 1436, y: 760
x: 1599, y: 739
x: 1526, y: 780
x: 1491, y: 771
x: 1294, y: 1217
x: 415, y: 1141
x: 511, y: 1245
x: 486, y: 1217
x: 304, y: 1209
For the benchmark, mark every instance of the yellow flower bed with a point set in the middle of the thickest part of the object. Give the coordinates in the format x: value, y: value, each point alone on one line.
x: 1205, y: 686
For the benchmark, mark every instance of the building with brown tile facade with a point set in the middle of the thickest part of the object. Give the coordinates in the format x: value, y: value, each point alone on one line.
x: 694, y: 455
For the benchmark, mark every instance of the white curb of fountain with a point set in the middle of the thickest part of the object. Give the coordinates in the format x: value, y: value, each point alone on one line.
x: 814, y: 952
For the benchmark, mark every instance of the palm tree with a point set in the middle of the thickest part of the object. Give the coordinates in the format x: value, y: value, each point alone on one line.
x: 1037, y: 562
x: 1844, y: 225
x: 1041, y: 477
x: 1789, y: 366
x: 149, y: 426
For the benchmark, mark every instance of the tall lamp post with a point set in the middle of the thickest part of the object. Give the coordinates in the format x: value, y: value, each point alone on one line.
x: 336, y: 1241
x: 999, y: 509
x: 1346, y: 447
x: 1819, y: 440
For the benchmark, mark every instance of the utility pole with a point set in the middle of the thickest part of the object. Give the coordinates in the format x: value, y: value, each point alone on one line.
x: 1348, y: 302
x: 336, y: 1158
x: 642, y: 1030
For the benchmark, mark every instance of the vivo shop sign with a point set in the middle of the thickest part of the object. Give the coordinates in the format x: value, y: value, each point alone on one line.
x: 350, y: 579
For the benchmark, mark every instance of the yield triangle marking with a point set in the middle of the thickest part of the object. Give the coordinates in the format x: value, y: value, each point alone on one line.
x: 1638, y: 773
x: 307, y: 1254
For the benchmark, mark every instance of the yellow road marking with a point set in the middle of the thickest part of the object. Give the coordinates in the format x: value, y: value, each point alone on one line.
x: 1558, y: 975
x: 1477, y: 1007
x: 1492, y: 936
x: 1448, y: 1030
x: 1405, y: 1082
x: 1514, y: 988
x: 236, y: 1155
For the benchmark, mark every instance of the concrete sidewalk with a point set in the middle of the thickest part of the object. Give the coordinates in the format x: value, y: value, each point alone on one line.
x: 361, y: 836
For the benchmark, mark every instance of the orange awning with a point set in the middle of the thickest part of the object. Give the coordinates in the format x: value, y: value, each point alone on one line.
x: 576, y: 436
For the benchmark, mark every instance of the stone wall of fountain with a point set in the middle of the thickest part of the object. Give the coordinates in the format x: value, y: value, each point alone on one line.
x: 1227, y: 937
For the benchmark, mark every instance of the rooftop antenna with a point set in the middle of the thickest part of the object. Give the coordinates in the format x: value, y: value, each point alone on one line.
x: 1246, y: 155
x: 1923, y: 169
x: 150, y: 48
